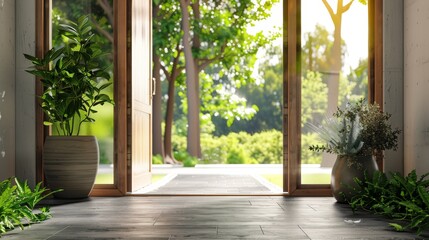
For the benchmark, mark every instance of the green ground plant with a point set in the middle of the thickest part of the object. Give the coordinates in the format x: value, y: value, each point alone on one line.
x: 186, y: 159
x: 18, y: 202
x: 157, y: 159
x: 402, y: 198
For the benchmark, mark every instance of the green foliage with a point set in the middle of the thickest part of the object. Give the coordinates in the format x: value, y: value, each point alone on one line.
x: 72, y: 77
x: 359, y: 129
x: 225, y: 53
x: 236, y: 156
x: 317, y: 50
x: 186, y: 159
x: 313, y: 100
x: 17, y: 203
x: 263, y: 148
x: 157, y: 159
x: 308, y: 156
x: 395, y: 196
x: 263, y: 95
x: 190, y: 162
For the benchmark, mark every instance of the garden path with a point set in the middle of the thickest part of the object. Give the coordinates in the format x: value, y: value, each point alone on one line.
x: 214, y: 179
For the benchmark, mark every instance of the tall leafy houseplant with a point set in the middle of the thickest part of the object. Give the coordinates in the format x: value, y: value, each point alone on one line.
x: 73, y: 79
x: 356, y: 135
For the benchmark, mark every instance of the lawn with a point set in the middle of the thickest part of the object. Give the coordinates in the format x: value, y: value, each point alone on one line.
x: 107, y: 178
x: 314, y: 178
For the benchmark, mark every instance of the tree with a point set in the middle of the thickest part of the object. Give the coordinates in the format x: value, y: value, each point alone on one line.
x: 192, y: 81
x: 335, y: 59
x: 264, y: 95
x: 167, y: 65
x: 208, y: 34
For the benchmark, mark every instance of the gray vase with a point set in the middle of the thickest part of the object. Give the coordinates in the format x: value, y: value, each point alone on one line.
x: 345, y: 170
x: 71, y: 163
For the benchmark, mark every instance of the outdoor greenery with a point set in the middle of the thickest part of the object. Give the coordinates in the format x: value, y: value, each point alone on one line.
x: 403, y: 198
x: 360, y: 129
x: 236, y: 148
x: 18, y: 202
x: 212, y: 41
x: 73, y: 78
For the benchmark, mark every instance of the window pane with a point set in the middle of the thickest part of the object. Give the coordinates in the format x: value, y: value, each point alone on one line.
x: 334, y: 71
x: 101, y: 13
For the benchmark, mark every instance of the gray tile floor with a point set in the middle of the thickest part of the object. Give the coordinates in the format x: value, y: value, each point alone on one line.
x: 209, y: 217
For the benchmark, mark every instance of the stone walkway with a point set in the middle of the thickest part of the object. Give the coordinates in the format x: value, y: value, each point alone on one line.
x: 212, y: 184
x: 214, y: 179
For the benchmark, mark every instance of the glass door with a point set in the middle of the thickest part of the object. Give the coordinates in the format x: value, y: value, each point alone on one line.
x: 333, y: 55
x: 334, y: 71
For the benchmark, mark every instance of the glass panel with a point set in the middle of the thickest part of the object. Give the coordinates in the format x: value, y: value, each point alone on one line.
x: 102, y: 16
x: 334, y: 71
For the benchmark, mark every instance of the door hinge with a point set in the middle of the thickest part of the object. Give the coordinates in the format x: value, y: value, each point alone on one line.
x: 153, y: 86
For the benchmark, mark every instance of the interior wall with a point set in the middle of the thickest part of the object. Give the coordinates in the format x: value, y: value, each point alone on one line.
x: 25, y: 92
x: 7, y: 89
x: 393, y: 74
x: 416, y: 87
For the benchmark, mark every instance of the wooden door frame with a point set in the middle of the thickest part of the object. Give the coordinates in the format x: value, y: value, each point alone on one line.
x: 43, y: 36
x: 292, y: 90
x: 291, y: 87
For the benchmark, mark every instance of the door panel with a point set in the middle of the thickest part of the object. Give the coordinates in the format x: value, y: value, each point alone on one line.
x: 141, y: 95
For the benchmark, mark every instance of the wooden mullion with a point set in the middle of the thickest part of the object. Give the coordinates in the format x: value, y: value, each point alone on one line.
x: 375, y: 58
x: 292, y: 94
x: 121, y: 62
x: 43, y: 43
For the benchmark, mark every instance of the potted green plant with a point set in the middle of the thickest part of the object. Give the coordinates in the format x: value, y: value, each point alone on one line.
x: 356, y: 134
x: 73, y: 79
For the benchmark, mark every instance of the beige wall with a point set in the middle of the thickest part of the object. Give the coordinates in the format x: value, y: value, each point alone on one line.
x: 416, y: 85
x: 7, y: 88
x: 17, y: 105
x: 25, y: 93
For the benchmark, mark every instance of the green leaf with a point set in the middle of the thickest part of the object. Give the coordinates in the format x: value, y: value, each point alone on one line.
x: 424, y: 195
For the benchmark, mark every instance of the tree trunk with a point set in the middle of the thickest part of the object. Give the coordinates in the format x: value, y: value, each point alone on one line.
x: 193, y: 138
x: 335, y: 57
x: 169, y: 115
x: 157, y: 144
x: 335, y: 69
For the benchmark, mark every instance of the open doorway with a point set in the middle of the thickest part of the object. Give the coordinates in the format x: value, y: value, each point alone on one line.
x: 231, y: 93
x: 262, y: 95
x: 237, y: 58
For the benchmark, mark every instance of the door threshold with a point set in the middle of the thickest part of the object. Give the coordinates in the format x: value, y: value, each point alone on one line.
x: 208, y: 195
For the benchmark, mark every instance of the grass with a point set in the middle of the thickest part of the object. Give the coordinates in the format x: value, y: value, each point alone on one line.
x: 107, y: 178
x: 314, y: 178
